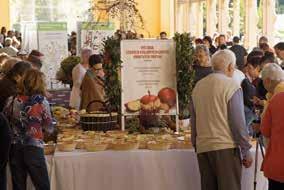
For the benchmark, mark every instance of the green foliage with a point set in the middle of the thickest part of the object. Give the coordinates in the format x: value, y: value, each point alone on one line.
x: 185, y: 72
x: 112, y: 69
x: 65, y: 72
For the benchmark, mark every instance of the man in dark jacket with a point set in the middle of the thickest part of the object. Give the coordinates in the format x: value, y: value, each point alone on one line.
x: 239, y: 51
x: 5, y: 141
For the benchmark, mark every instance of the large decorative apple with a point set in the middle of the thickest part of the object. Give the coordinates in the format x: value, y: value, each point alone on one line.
x: 167, y: 96
x: 150, y: 102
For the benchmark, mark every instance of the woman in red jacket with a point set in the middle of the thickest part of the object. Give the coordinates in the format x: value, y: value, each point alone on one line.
x: 272, y: 127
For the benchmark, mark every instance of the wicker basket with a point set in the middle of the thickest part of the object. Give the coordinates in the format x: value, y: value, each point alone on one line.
x: 98, y: 121
x: 91, y: 147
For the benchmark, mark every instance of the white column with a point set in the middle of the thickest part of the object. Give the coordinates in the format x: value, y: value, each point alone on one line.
x: 168, y: 16
x: 269, y: 19
x: 236, y: 17
x: 192, y: 19
x: 180, y: 13
x: 199, y: 18
x: 251, y: 20
x: 211, y: 17
x: 223, y: 16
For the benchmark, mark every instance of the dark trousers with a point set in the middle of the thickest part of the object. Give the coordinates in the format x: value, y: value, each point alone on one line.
x: 30, y: 160
x: 220, y: 170
x: 275, y: 185
x: 3, y: 178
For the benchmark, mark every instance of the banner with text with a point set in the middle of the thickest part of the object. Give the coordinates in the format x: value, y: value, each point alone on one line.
x: 53, y: 43
x: 92, y: 34
x: 148, y: 76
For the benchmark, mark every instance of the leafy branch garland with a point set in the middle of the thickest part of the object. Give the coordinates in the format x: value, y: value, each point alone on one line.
x: 112, y: 69
x: 185, y: 72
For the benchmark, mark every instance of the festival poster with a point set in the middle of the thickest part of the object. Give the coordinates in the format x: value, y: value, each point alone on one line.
x: 148, y: 76
x: 92, y: 35
x: 53, y: 43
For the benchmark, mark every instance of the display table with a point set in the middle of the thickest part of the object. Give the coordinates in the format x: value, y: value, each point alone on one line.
x: 134, y: 170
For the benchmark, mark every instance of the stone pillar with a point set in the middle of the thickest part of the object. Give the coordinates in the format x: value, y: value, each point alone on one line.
x: 236, y: 17
x: 223, y: 16
x: 251, y: 20
x: 211, y: 17
x: 269, y: 19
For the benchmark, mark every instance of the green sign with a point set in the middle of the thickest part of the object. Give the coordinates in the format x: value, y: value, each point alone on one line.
x: 97, y: 26
x: 52, y: 26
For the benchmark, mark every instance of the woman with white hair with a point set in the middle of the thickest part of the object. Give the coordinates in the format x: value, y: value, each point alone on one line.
x: 273, y: 81
x: 272, y: 126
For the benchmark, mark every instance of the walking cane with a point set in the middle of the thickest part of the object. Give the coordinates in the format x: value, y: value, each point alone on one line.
x: 259, y: 144
x: 256, y: 165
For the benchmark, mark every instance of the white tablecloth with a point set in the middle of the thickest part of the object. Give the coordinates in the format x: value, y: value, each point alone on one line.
x: 134, y: 170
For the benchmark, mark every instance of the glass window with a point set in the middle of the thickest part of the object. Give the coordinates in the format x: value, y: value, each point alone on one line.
x: 70, y: 11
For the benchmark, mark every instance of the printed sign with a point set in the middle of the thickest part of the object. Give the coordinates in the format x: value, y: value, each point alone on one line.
x: 92, y: 35
x: 53, y: 43
x: 148, y: 76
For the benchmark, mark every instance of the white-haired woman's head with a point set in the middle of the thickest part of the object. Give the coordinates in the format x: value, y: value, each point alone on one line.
x: 272, y: 74
x: 224, y: 61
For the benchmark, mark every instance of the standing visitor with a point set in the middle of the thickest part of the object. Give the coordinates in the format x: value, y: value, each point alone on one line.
x: 9, y: 49
x: 78, y: 74
x: 93, y: 84
x: 222, y: 43
x: 29, y: 115
x: 218, y: 126
x: 11, y: 81
x: 240, y: 52
x: 3, y: 35
x: 207, y: 40
x: 8, y: 65
x: 163, y: 36
x: 279, y: 50
x: 262, y: 40
x: 36, y: 59
x: 249, y: 90
x: 272, y: 127
x: 5, y: 142
x: 273, y: 81
x: 202, y: 65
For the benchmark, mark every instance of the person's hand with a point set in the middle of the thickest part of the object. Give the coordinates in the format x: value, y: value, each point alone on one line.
x: 256, y: 127
x: 257, y: 101
x: 247, y: 161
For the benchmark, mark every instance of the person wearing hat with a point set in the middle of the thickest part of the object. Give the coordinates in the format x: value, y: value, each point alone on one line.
x: 35, y: 58
x: 92, y: 86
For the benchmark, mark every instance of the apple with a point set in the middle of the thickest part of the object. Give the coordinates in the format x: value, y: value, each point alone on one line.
x: 167, y: 96
x: 150, y: 102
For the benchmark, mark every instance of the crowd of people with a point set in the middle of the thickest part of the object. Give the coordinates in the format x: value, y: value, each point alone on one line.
x: 233, y: 88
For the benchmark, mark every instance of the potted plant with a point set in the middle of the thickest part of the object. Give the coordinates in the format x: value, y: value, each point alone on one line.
x: 64, y: 74
x: 185, y: 72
